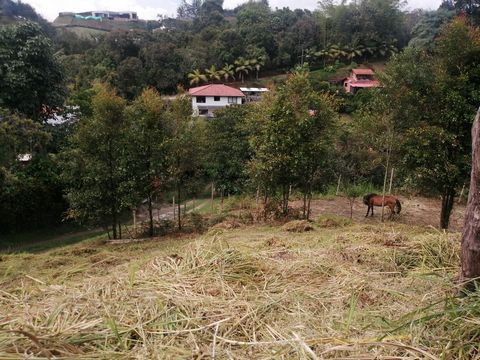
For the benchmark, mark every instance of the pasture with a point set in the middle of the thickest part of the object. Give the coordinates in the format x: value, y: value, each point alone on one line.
x: 349, y: 289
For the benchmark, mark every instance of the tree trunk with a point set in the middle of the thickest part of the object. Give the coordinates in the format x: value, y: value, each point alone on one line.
x: 305, y: 204
x: 265, y: 201
x: 461, y: 193
x: 391, y: 182
x: 119, y: 230
x: 285, y: 200
x: 212, y: 195
x: 150, y: 215
x: 447, y: 206
x: 179, y: 209
x: 385, y: 183
x: 308, y: 204
x: 173, y: 203
x: 470, y: 253
x: 114, y: 224
x: 338, y: 185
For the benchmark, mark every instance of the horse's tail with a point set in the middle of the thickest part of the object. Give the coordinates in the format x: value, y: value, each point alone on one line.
x: 366, y: 198
x: 399, y: 206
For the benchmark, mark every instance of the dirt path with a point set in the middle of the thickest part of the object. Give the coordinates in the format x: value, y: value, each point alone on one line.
x: 165, y: 211
x: 415, y: 211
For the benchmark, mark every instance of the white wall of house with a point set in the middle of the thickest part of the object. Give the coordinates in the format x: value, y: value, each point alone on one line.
x: 213, y: 103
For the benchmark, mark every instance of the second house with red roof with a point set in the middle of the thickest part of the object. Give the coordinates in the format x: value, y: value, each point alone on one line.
x: 360, y: 79
x: 209, y: 98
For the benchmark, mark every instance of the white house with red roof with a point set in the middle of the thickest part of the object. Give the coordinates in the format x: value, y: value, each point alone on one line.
x: 360, y: 79
x: 209, y: 98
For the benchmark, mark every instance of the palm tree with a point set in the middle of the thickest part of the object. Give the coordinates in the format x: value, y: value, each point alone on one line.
x: 196, y: 77
x: 228, y: 71
x: 242, y: 67
x: 322, y: 54
x: 352, y: 52
x: 257, y: 64
x: 213, y: 74
x: 387, y: 49
x: 335, y: 52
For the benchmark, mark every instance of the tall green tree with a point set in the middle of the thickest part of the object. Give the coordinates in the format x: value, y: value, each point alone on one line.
x: 315, y: 117
x: 30, y: 188
x: 185, y: 154
x: 228, y: 72
x: 228, y: 149
x: 290, y: 139
x: 95, y: 166
x: 213, y: 74
x: 146, y: 148
x: 433, y: 98
x: 242, y: 67
x: 31, y: 76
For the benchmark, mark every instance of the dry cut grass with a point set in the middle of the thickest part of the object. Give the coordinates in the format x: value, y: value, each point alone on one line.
x: 349, y: 292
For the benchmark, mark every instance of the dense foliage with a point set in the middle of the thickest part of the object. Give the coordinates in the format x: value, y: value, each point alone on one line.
x: 206, y: 42
x: 31, y: 76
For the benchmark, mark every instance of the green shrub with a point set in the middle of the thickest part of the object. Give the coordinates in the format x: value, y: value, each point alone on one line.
x: 297, y: 226
x: 216, y: 219
x: 239, y: 202
x: 197, y: 221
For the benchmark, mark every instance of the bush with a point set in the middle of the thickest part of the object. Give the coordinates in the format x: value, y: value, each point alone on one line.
x: 297, y: 226
x: 165, y: 226
x: 216, y: 219
x: 197, y: 221
x: 246, y: 217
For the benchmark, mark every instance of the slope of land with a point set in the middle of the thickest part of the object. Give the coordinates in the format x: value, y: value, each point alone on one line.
x: 351, y: 290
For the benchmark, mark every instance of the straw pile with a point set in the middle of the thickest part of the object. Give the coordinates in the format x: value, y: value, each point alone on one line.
x: 248, y: 293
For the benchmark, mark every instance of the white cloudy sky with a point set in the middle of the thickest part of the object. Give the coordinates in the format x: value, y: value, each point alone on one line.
x: 148, y: 9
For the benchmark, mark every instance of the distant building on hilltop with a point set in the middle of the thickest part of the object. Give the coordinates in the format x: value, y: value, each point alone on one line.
x: 209, y: 98
x: 360, y: 79
x: 98, y: 15
x: 92, y: 24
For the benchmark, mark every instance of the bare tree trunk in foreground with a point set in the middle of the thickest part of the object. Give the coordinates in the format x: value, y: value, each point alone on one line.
x: 470, y: 256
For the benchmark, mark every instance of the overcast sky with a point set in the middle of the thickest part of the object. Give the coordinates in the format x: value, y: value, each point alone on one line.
x: 148, y: 9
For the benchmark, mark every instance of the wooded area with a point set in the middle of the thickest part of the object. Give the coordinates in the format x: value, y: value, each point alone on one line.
x: 123, y: 142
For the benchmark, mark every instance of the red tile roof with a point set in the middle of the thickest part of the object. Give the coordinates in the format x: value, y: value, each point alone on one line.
x: 363, y: 72
x: 215, y: 90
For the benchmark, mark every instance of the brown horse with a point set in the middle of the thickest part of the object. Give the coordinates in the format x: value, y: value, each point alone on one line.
x: 392, y: 202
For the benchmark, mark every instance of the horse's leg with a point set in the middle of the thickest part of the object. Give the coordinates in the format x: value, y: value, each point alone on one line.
x: 371, y: 214
x: 392, y: 211
x: 368, y: 210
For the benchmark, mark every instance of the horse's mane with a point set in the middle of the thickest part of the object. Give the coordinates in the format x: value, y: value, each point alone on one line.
x: 367, y: 197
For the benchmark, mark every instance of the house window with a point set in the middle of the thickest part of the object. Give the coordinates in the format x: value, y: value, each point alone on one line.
x: 216, y: 98
x: 232, y: 100
x: 201, y: 99
x: 203, y: 112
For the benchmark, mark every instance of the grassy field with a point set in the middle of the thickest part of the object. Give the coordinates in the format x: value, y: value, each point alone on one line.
x: 343, y: 290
